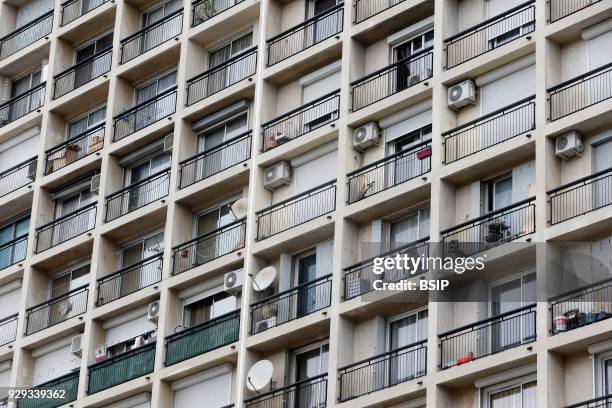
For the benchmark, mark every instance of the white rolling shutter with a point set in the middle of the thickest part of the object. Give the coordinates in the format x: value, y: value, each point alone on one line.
x: 128, y: 330
x: 9, y: 300
x: 54, y: 364
x: 599, y: 50
x: 602, y: 156
x: 496, y: 7
x: 504, y: 91
x: 19, y: 152
x: 523, y: 178
x: 212, y: 387
x: 407, y: 125
x: 321, y: 87
x: 315, y: 172
x: 325, y: 256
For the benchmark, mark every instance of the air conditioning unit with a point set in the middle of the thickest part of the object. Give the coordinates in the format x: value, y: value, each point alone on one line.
x: 569, y: 145
x: 153, y: 311
x: 75, y: 346
x: 168, y: 141
x: 94, y: 187
x: 462, y: 94
x: 265, y: 324
x: 32, y: 170
x: 365, y: 136
x: 100, y: 353
x: 232, y: 281
x: 277, y: 175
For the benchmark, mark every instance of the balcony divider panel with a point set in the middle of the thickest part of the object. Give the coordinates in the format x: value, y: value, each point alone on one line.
x: 66, y: 227
x: 74, y: 149
x: 18, y: 176
x: 56, y: 310
x: 26, y: 35
x: 82, y: 73
x: 20, y: 105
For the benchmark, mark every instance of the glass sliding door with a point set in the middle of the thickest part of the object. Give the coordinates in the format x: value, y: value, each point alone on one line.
x: 231, y: 74
x: 12, y: 254
x: 135, y: 253
x: 406, y: 363
x: 146, y: 192
x: 310, y: 363
x: 215, y: 246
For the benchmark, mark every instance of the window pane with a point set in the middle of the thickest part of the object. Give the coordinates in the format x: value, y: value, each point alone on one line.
x: 529, y: 395
x: 506, y: 399
x: 503, y: 193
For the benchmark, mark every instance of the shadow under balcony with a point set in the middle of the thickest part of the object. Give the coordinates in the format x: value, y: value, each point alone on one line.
x: 74, y: 149
x: 13, y: 252
x: 66, y: 227
x: 82, y: 73
x: 8, y: 329
x: 600, y: 402
x: 65, y: 387
x: 311, y: 392
x: 20, y: 105
x: 17, y: 176
x: 73, y: 9
x: 558, y: 9
x: 26, y: 35
x: 56, y: 310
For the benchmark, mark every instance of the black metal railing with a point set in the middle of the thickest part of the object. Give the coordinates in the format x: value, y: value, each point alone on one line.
x: 558, y: 9
x: 383, y: 371
x: 8, y: 329
x: 210, y: 246
x: 28, y: 34
x: 144, y: 114
x: 291, y: 304
x: 17, y: 176
x: 73, y: 149
x: 222, y: 76
x: 489, y: 130
x: 365, y: 9
x: 137, y: 195
x: 490, y: 34
x: 129, y: 279
x: 13, y: 251
x: 490, y: 230
x: 214, y: 160
x: 73, y: 9
x: 297, y: 210
x: 581, y: 196
x: 20, y: 105
x: 360, y: 277
x: 300, y: 121
x: 392, y: 79
x: 581, y: 92
x: 67, y: 387
x: 311, y: 392
x: 66, y: 227
x: 306, y: 34
x: 202, y: 10
x: 82, y: 73
x: 600, y: 402
x: 389, y: 172
x: 56, y: 310
x: 488, y: 336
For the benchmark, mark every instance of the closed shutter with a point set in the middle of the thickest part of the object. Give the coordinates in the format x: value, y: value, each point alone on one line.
x: 523, y: 178
x: 321, y: 87
x: 316, y: 172
x: 128, y: 330
x: 507, y: 90
x: 325, y: 256
x: 54, y: 364
x: 602, y: 156
x: 599, y: 50
x: 408, y: 125
x: 9, y: 303
x: 19, y: 153
x: 496, y: 7
x: 215, y: 392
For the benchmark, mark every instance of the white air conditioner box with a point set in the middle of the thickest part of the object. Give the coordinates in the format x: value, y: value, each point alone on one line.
x: 100, y: 353
x: 569, y: 145
x: 153, y: 311
x: 232, y: 281
x: 462, y: 94
x: 75, y: 346
x: 365, y: 136
x: 277, y: 175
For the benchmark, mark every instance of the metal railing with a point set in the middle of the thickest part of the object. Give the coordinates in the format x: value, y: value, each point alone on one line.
x: 490, y: 34
x: 215, y: 160
x: 306, y: 34
x: 121, y: 368
x: 389, y: 172
x: 581, y: 92
x: 20, y: 105
x: 17, y: 176
x: 144, y: 114
x: 203, y: 10
x: 210, y: 246
x: 202, y: 338
x: 67, y: 384
x: 222, y: 76
x: 383, y: 371
x: 56, y: 310
x: 558, y: 9
x: 581, y: 307
x: 600, y: 402
x: 73, y: 9
x: 13, y: 251
x: 488, y: 336
x: 490, y: 230
x: 129, y: 279
x: 8, y: 329
x: 26, y: 35
x: 291, y: 304
x: 66, y: 227
x: 73, y: 149
x: 359, y: 278
x: 82, y: 73
x: 365, y: 9
x: 311, y: 392
x: 297, y: 210
x: 489, y: 130
x: 300, y: 121
x: 392, y: 79
x: 137, y: 195
x: 151, y: 36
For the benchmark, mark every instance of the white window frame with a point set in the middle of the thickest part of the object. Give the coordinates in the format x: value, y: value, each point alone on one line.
x: 85, y: 115
x: 486, y: 393
x: 296, y: 258
x: 144, y: 84
x: 137, y: 241
x: 515, y: 276
x: 401, y: 316
x: 217, y: 125
x: 198, y: 214
x: 228, y: 41
x: 386, y: 232
x: 599, y: 374
x: 304, y: 349
x: 64, y: 272
x: 89, y: 42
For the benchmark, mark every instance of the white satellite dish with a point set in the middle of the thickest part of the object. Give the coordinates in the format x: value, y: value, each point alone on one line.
x: 239, y: 208
x: 259, y: 375
x: 264, y: 278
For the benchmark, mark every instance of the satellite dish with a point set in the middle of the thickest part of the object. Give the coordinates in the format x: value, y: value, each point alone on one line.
x: 264, y: 278
x: 259, y: 375
x: 239, y: 208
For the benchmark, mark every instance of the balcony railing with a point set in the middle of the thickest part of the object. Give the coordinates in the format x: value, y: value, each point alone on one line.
x: 389, y: 172
x: 306, y: 34
x: 13, y: 251
x: 214, y: 160
x: 300, y: 121
x: 67, y: 385
x: 311, y: 392
x: 490, y: 230
x: 392, y: 79
x: 137, y: 195
x: 489, y: 130
x: 17, y: 176
x: 26, y: 35
x: 145, y: 114
x: 66, y: 227
x: 581, y: 92
x: 73, y: 9
x: 383, y: 371
x: 8, y: 329
x: 558, y: 9
x: 203, y: 10
x: 82, y: 73
x: 365, y: 9
x: 222, y: 76
x: 121, y: 368
x: 291, y: 304
x: 202, y: 338
x: 20, y: 105
x: 600, y: 402
x: 359, y: 278
x: 210, y: 246
x: 490, y: 34
x: 76, y: 148
x: 129, y: 280
x: 297, y: 210
x: 151, y: 36
x: 581, y: 307
x: 56, y: 310
x: 488, y: 336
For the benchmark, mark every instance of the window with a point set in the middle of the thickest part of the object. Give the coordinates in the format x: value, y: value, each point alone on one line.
x: 220, y: 244
x: 146, y: 167
x: 603, y: 374
x: 25, y: 83
x: 409, y: 140
x: 66, y: 281
x: 157, y: 86
x: 317, y: 7
x: 159, y: 11
x: 26, y: 104
x: 142, y: 249
x: 519, y: 393
x: 230, y: 49
x: 210, y: 138
x: 412, y: 46
x: 403, y: 330
x: 8, y: 232
x: 309, y: 361
x: 88, y: 121
x: 73, y: 202
x: 93, y: 47
x: 408, y: 228
x: 498, y: 193
x: 208, y: 308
